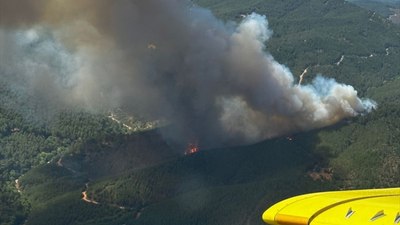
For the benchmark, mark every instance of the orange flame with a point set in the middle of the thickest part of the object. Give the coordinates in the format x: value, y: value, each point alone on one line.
x: 192, y: 149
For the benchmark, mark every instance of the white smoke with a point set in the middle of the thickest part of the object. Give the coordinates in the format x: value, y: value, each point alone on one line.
x: 215, y: 82
x: 279, y: 106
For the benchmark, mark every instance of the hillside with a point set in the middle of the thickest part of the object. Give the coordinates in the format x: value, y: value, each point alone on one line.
x: 139, y: 178
x: 388, y: 9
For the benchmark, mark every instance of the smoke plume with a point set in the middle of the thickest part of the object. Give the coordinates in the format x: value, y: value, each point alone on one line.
x: 164, y: 59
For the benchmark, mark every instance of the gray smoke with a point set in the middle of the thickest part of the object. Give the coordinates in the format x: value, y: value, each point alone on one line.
x: 164, y: 59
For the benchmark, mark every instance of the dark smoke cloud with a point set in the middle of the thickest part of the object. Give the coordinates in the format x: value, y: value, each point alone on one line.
x: 213, y: 81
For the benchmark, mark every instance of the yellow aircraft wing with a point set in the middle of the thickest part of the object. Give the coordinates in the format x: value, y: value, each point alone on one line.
x: 357, y: 207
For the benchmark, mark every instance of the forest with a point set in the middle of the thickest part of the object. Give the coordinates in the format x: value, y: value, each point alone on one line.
x: 140, y: 178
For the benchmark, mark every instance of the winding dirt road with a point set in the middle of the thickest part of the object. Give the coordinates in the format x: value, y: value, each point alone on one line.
x: 85, y: 196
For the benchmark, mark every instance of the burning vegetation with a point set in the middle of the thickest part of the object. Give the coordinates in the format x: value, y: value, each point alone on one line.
x: 192, y: 149
x: 209, y: 79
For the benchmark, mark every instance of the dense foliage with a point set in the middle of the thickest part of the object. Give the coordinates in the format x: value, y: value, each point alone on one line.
x: 138, y: 178
x: 385, y: 8
x: 25, y: 144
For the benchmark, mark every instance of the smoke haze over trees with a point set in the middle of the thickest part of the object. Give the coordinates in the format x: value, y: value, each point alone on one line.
x: 214, y: 81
